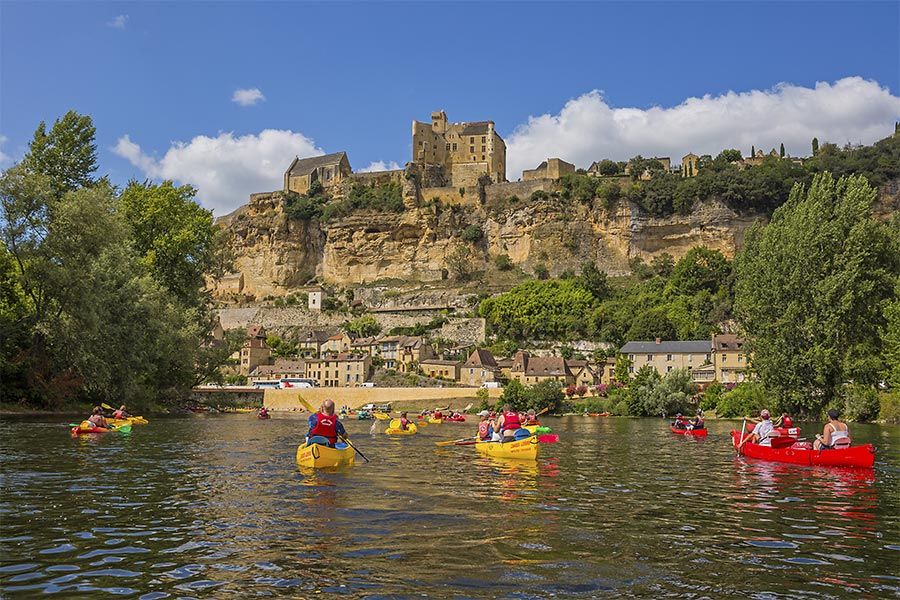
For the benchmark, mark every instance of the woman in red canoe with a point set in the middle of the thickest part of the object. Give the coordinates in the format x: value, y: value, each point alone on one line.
x: 835, y: 435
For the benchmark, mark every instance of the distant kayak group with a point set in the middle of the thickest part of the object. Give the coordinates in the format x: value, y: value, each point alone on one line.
x: 98, y: 422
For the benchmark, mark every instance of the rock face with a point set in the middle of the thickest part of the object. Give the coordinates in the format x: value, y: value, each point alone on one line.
x: 276, y: 254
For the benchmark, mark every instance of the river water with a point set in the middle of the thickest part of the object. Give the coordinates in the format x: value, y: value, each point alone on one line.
x: 214, y: 506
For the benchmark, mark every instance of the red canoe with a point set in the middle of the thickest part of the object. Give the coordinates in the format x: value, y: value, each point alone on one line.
x: 459, y: 419
x: 855, y: 456
x: 698, y: 432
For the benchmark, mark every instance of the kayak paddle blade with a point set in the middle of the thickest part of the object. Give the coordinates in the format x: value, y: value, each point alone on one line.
x: 548, y: 438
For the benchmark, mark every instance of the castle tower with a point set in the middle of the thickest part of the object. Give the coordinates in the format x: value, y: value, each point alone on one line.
x: 439, y: 122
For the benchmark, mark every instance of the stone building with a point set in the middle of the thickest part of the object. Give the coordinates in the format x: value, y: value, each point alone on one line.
x: 529, y: 370
x: 582, y: 373
x: 479, y: 368
x: 329, y: 170
x: 342, y: 370
x: 667, y: 355
x: 443, y: 369
x: 283, y: 367
x: 552, y: 168
x: 665, y: 161
x: 466, y: 151
x: 255, y: 350
x: 315, y: 299
x: 730, y: 358
x: 690, y: 165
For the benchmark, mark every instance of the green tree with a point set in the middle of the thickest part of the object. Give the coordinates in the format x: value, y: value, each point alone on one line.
x: 752, y: 151
x: 700, y: 269
x: 66, y: 155
x: 653, y: 395
x: 514, y: 394
x: 595, y: 281
x: 623, y: 365
x: 503, y: 262
x: 541, y: 271
x: 460, y: 262
x: 364, y: 326
x: 815, y: 146
x: 553, y: 309
x: 781, y: 150
x: 472, y: 234
x: 174, y: 235
x: 607, y: 167
x: 812, y: 287
x: 663, y: 264
x: 729, y: 155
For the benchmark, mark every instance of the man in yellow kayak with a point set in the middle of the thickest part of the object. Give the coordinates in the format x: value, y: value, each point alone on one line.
x: 509, y: 423
x: 326, y: 424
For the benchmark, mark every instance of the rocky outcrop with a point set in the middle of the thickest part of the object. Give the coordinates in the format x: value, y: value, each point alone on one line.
x: 276, y: 254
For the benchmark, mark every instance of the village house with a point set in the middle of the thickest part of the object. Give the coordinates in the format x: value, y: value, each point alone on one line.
x: 283, y: 367
x: 314, y: 300
x: 339, y: 342
x: 255, y: 351
x: 402, y: 352
x: 690, y: 165
x: 729, y: 358
x: 665, y: 355
x: 722, y: 359
x: 310, y: 342
x: 505, y: 366
x: 466, y: 151
x: 341, y: 370
x: 368, y: 345
x: 479, y: 368
x: 608, y: 371
x: 440, y: 369
x: 329, y: 170
x: 552, y: 168
x: 582, y: 373
x: 529, y: 370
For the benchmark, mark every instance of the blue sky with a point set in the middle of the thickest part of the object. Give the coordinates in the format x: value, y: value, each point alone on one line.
x: 351, y: 76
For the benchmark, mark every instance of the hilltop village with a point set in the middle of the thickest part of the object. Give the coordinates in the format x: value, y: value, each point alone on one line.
x: 452, y: 164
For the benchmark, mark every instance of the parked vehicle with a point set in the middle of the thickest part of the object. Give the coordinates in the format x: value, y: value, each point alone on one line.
x: 491, y: 384
x: 297, y: 382
x: 267, y: 384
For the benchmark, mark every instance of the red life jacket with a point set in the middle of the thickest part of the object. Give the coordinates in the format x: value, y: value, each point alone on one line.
x: 483, y: 429
x: 511, y: 421
x: 119, y: 414
x: 404, y: 423
x: 787, y: 422
x: 438, y: 415
x: 326, y: 426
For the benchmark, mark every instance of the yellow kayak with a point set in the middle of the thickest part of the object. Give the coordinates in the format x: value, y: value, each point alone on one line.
x: 128, y: 421
x: 394, y: 428
x: 381, y: 416
x: 434, y: 421
x: 318, y: 456
x: 526, y: 449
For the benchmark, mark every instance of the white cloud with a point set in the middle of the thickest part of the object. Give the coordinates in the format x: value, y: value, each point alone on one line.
x: 588, y: 129
x: 4, y: 158
x: 380, y: 165
x: 118, y: 22
x: 225, y: 169
x: 247, y: 97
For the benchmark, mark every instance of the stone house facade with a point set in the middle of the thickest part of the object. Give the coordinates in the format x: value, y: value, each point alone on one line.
x: 479, y: 368
x: 730, y: 358
x: 441, y: 369
x: 329, y: 170
x: 342, y: 370
x: 552, y: 168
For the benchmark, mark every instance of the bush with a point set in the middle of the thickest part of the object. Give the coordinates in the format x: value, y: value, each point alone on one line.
x: 710, y: 398
x: 745, y: 400
x: 889, y: 410
x: 860, y: 403
x: 503, y: 262
x: 472, y: 234
x: 541, y: 272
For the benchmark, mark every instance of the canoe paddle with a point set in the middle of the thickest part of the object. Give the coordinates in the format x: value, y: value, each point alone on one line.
x: 346, y: 441
x: 548, y: 438
x: 743, y: 433
x: 453, y: 442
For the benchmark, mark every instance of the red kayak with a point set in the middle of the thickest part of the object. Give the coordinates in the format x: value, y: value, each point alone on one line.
x: 801, y: 453
x: 458, y: 419
x: 697, y: 432
x: 78, y: 430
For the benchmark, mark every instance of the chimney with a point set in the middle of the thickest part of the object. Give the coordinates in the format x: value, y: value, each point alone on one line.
x: 659, y: 340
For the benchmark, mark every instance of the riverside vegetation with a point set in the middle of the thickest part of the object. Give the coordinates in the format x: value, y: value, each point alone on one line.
x: 102, y: 288
x: 102, y: 294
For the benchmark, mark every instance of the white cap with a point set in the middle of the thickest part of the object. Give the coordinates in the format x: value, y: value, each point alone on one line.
x: 484, y: 413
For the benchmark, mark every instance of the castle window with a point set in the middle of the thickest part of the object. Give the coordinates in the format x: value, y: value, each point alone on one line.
x: 448, y: 146
x: 482, y: 156
x: 454, y: 147
x: 482, y: 148
x: 483, y: 139
x: 471, y: 148
x: 471, y: 140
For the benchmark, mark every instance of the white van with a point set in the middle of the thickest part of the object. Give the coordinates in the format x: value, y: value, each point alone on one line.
x: 491, y: 385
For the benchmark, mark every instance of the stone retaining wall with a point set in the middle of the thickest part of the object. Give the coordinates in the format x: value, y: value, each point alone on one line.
x: 311, y: 399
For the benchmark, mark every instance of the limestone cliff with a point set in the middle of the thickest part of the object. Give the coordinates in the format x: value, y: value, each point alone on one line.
x: 276, y: 254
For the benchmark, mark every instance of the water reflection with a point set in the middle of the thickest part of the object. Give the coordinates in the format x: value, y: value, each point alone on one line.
x: 216, y: 506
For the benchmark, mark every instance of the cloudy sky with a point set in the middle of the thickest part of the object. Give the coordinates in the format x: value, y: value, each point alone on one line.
x: 223, y: 96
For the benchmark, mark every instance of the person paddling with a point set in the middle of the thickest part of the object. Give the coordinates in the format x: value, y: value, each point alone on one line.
x: 836, y: 434
x: 697, y: 422
x: 404, y: 422
x: 326, y: 424
x: 485, y: 427
x: 263, y: 413
x: 121, y: 413
x: 97, y: 419
x: 680, y: 422
x: 509, y: 423
x: 762, y: 432
x: 784, y: 421
x: 531, y: 418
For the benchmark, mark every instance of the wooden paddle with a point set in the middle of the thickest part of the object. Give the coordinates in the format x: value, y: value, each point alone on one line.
x: 346, y: 441
x: 743, y: 436
x: 454, y: 442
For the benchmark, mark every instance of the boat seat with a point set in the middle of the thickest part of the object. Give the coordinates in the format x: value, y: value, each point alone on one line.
x: 841, y: 444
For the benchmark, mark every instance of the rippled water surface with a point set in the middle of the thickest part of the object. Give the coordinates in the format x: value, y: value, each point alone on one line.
x: 216, y: 507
